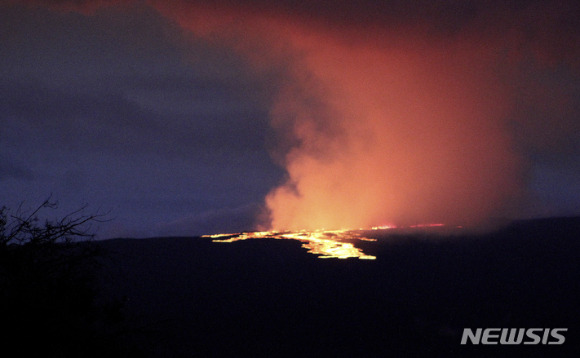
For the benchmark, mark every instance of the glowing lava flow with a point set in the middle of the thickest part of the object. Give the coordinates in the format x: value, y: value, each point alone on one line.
x: 326, y: 244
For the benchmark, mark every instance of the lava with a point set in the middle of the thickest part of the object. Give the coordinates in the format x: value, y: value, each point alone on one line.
x: 340, y: 244
x: 325, y: 244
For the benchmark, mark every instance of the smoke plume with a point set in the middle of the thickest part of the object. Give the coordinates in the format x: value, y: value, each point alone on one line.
x: 388, y: 112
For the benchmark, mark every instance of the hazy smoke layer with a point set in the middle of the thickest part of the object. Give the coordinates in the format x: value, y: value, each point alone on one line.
x: 390, y: 112
x: 385, y: 126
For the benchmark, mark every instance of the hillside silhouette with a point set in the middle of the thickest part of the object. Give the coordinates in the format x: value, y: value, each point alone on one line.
x: 191, y: 297
x: 62, y: 296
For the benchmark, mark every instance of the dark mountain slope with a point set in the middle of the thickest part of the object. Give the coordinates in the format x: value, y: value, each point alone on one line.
x: 192, y: 297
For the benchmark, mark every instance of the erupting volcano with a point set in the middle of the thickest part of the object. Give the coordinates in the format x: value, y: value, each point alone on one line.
x: 377, y: 177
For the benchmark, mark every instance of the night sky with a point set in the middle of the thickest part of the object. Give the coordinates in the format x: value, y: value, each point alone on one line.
x: 188, y: 118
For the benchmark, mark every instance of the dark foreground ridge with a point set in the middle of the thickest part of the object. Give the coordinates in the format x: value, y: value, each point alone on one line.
x: 191, y: 297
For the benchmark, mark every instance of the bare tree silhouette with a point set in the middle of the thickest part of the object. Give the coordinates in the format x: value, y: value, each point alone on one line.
x: 47, y: 284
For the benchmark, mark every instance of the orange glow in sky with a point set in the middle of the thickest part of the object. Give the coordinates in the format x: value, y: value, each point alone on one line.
x: 373, y: 125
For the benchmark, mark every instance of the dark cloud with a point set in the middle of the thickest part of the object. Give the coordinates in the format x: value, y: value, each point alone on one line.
x: 547, y: 29
x: 119, y: 111
x: 11, y: 170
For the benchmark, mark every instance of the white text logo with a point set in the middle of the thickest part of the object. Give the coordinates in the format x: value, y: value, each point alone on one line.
x: 511, y: 336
